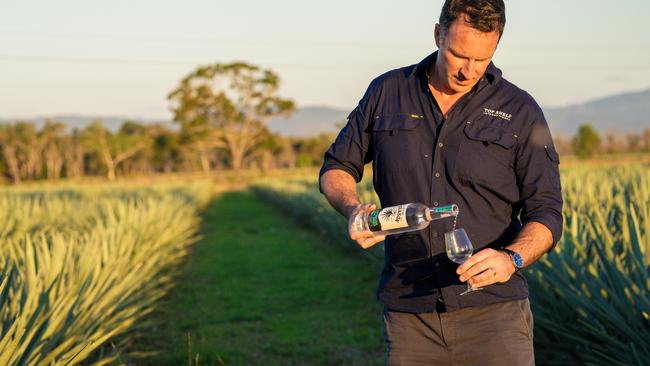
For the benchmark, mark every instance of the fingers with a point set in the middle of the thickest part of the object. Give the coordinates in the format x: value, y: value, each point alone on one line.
x: 474, y: 259
x: 485, y: 278
x: 358, y: 235
x: 365, y: 238
x: 368, y: 207
x: 475, y: 270
x: 367, y: 243
x: 486, y: 267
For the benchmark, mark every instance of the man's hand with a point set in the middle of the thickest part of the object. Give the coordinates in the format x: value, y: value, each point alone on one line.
x: 486, y: 267
x: 365, y: 238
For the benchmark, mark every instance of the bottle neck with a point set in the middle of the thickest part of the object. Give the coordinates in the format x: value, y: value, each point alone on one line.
x: 443, y: 211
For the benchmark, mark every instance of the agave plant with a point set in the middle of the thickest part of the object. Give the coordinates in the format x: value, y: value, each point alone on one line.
x: 83, y: 266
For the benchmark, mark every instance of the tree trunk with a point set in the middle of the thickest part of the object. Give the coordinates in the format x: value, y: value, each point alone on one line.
x: 108, y: 160
x: 110, y: 171
x: 9, y: 153
x: 53, y: 162
x: 205, y: 159
x: 74, y: 160
x: 33, y: 161
x: 236, y: 150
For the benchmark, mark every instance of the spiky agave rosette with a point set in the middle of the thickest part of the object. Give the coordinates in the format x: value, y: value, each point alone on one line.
x: 82, y: 266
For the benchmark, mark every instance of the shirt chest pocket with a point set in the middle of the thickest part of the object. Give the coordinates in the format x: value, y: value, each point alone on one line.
x: 487, y: 153
x: 396, y: 139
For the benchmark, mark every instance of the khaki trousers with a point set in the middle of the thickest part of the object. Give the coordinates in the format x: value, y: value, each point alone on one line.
x: 497, y: 334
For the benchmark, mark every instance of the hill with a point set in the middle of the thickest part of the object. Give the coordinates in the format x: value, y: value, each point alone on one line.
x: 73, y: 121
x: 309, y: 121
x: 626, y: 112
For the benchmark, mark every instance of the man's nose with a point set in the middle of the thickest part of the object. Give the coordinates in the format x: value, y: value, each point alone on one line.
x: 469, y: 67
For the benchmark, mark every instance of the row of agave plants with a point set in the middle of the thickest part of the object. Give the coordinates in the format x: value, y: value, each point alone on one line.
x: 82, y: 266
x: 589, y: 295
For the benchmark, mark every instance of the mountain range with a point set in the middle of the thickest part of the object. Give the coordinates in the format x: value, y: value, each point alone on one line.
x: 623, y: 113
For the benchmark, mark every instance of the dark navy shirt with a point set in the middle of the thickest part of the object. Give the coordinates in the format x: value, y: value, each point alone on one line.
x: 492, y: 155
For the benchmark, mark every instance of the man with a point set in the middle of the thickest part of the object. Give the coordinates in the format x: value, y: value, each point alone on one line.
x: 451, y: 129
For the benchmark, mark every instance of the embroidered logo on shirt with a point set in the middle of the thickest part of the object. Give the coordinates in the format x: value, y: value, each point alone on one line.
x: 498, y: 114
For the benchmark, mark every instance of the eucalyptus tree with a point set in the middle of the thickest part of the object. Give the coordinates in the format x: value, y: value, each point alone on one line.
x: 225, y: 107
x: 52, y: 137
x: 112, y: 149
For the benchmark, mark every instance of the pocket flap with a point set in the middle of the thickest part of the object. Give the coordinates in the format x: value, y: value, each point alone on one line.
x: 393, y: 122
x: 503, y: 137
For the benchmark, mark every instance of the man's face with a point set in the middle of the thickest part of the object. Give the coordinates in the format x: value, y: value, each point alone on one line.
x: 464, y: 54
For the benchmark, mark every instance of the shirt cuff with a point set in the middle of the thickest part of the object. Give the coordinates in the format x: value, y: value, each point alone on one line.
x: 331, y: 166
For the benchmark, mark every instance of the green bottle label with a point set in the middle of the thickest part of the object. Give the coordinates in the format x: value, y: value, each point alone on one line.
x: 444, y: 209
x: 373, y: 221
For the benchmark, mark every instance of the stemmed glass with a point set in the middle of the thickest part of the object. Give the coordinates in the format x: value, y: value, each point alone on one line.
x: 459, y: 249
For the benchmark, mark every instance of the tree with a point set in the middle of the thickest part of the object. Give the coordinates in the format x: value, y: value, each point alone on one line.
x: 645, y: 140
x: 165, y: 148
x: 73, y: 154
x: 9, y: 151
x: 30, y: 148
x: 52, y: 136
x: 112, y: 149
x: 633, y: 142
x: 587, y: 142
x: 139, y: 134
x: 225, y: 106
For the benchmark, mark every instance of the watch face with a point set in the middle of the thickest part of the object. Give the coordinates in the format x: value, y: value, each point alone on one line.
x: 519, y: 262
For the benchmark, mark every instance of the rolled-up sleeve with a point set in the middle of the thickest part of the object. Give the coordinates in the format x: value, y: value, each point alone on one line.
x: 351, y: 149
x: 538, y: 177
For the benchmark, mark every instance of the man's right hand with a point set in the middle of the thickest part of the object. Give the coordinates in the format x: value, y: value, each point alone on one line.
x: 365, y: 238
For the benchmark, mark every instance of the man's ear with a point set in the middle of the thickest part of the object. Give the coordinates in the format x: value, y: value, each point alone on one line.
x: 436, y: 35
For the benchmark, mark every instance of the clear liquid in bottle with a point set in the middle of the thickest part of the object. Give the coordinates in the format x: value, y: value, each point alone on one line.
x: 402, y: 218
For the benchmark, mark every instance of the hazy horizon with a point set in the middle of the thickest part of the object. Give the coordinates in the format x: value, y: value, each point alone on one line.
x: 122, y: 58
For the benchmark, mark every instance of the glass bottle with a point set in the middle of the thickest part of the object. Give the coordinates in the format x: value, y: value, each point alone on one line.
x: 402, y: 218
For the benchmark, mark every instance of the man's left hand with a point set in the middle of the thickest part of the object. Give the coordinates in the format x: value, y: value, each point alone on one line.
x: 486, y: 267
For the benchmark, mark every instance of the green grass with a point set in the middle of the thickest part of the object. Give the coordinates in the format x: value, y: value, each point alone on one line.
x: 260, y: 289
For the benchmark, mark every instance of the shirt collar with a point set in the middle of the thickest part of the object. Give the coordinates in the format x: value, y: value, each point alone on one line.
x: 492, y: 74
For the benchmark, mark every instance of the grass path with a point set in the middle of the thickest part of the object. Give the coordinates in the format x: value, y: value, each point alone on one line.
x: 259, y: 289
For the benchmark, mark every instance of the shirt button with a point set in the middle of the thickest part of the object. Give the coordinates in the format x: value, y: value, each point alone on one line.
x: 440, y: 144
x: 437, y: 265
x: 435, y: 234
x: 437, y: 175
x: 435, y: 203
x: 426, y: 155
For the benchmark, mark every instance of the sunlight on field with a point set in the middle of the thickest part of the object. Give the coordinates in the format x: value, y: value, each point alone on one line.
x: 590, y: 295
x: 82, y: 264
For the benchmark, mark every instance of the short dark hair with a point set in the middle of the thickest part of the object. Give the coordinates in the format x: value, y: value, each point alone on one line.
x: 483, y: 15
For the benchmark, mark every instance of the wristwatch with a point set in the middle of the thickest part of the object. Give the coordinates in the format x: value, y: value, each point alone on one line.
x: 517, y: 260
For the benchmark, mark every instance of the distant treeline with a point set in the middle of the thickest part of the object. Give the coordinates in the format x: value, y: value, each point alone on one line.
x: 588, y: 143
x: 222, y: 110
x: 27, y: 153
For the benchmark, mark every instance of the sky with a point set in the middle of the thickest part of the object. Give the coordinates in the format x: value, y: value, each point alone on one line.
x: 122, y: 57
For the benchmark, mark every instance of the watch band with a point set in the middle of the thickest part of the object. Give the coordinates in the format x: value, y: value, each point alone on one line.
x: 516, y: 258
